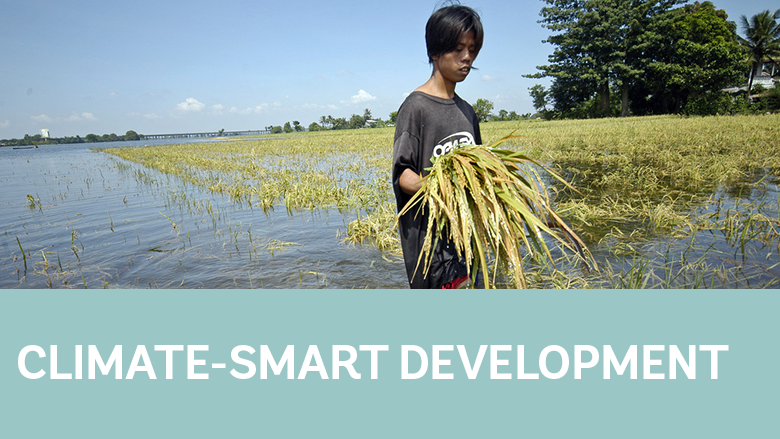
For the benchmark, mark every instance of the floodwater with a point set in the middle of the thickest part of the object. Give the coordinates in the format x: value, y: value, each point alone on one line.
x: 73, y: 217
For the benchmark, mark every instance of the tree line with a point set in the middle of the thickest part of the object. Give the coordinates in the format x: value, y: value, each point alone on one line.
x: 38, y: 139
x: 367, y: 120
x: 624, y: 57
x: 482, y: 107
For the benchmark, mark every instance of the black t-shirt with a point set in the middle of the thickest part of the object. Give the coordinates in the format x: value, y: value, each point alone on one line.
x: 428, y: 126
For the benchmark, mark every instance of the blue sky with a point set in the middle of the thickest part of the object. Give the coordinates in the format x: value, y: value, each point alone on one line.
x: 79, y: 67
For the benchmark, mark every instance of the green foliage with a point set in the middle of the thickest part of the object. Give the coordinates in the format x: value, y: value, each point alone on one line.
x: 600, y: 43
x: 539, y: 95
x: 287, y: 127
x: 393, y: 116
x: 483, y: 107
x: 314, y: 126
x: 703, y: 57
x: 654, y: 55
x: 340, y: 123
x: 504, y: 115
x: 356, y: 121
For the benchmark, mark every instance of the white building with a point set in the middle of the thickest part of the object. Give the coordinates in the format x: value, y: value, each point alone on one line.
x: 45, y: 133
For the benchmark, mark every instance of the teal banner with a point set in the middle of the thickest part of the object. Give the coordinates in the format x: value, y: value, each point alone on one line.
x: 389, y: 363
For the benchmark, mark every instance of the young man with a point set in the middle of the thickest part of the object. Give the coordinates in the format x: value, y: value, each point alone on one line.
x: 432, y: 121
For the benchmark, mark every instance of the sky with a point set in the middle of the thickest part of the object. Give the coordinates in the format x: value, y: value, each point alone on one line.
x: 156, y: 67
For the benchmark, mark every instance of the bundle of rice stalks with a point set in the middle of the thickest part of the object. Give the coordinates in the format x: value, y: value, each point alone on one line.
x: 490, y: 204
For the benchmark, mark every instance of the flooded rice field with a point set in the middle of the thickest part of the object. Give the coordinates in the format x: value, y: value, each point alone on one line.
x: 316, y: 211
x: 74, y: 218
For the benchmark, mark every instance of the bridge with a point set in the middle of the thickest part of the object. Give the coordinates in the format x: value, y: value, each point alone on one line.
x: 208, y: 134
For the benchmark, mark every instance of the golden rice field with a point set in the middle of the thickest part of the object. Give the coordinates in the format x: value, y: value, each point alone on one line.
x: 663, y: 201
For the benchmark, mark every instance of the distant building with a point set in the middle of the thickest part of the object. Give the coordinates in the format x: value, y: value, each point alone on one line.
x: 45, y: 133
x: 765, y: 80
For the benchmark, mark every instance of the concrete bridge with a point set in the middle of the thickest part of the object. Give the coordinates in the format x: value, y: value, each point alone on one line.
x: 209, y: 134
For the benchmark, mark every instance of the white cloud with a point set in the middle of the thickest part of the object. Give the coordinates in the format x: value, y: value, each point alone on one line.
x: 42, y: 118
x: 361, y: 97
x: 151, y: 116
x: 343, y: 73
x: 78, y: 117
x: 217, y: 109
x: 5, y: 124
x: 257, y: 109
x: 113, y: 93
x: 190, y: 104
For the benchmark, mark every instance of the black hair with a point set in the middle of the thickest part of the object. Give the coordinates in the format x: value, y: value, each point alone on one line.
x: 447, y: 26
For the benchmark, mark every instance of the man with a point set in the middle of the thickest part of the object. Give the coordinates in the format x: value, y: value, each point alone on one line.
x: 432, y: 121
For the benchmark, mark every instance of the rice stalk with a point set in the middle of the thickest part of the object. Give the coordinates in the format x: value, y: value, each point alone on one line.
x: 491, y: 204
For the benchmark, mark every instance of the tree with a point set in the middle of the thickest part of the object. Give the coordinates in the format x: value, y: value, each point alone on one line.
x: 393, y: 116
x: 132, y: 135
x: 340, y: 123
x: 367, y: 114
x: 221, y: 130
x: 539, y: 96
x: 599, y: 44
x: 276, y: 129
x: 287, y: 127
x: 356, y: 121
x: 326, y: 122
x: 483, y: 107
x: 762, y: 42
x: 700, y: 56
x: 297, y: 126
x: 314, y: 126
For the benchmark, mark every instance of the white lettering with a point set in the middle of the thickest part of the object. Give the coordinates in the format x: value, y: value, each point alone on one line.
x: 23, y: 365
x: 472, y: 371
x: 192, y: 362
x: 564, y: 362
x: 495, y: 362
x: 374, y: 357
x: 348, y: 363
x: 313, y: 354
x: 611, y: 359
x: 168, y: 357
x: 251, y: 369
x: 140, y: 353
x: 647, y: 362
x: 288, y: 358
x: 405, y: 375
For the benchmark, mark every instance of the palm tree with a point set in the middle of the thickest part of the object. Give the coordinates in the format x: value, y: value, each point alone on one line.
x: 762, y: 42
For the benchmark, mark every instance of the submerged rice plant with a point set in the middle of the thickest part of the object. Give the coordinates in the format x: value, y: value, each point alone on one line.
x: 489, y: 201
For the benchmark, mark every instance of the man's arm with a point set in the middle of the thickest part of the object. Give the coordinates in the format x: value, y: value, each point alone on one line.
x: 410, y: 182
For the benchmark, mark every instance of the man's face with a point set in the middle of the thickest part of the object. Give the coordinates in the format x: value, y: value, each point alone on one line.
x: 454, y: 66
